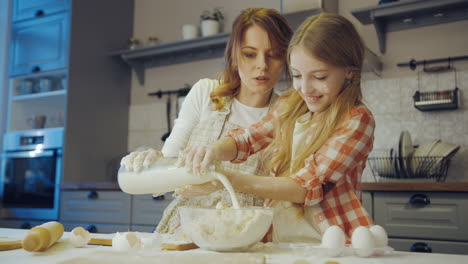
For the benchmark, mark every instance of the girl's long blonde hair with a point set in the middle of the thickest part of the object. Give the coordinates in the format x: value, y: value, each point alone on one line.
x: 279, y: 33
x: 332, y: 39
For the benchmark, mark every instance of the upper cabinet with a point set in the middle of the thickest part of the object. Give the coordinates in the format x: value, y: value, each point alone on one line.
x: 39, y: 45
x: 27, y: 9
x: 410, y: 14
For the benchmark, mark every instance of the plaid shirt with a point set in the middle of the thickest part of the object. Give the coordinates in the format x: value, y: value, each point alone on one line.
x: 340, y: 161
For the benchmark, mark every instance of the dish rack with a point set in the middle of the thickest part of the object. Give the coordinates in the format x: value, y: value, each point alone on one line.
x: 438, y: 100
x: 432, y: 168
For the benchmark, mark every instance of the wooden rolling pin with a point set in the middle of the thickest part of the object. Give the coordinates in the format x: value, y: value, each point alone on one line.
x: 41, y: 237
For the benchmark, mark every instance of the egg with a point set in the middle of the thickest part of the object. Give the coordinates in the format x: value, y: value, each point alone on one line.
x: 125, y: 241
x: 333, y: 241
x: 79, y: 237
x: 380, y: 236
x: 363, y: 241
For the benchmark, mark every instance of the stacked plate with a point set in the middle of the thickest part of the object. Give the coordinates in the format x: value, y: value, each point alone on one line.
x: 429, y: 160
x: 429, y: 157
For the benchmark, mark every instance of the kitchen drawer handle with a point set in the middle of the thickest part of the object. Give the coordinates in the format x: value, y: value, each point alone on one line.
x: 25, y: 225
x: 36, y: 69
x: 92, y: 229
x: 419, y: 200
x: 421, y: 247
x: 40, y: 13
x: 92, y: 195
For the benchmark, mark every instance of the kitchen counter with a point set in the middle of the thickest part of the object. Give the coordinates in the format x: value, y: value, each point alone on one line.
x: 63, y: 252
x: 415, y: 186
x: 366, y: 186
x: 111, y: 186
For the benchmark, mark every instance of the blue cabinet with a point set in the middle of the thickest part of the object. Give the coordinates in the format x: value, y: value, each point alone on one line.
x: 27, y: 9
x: 39, y: 45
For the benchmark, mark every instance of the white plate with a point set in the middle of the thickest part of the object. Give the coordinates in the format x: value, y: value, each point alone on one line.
x: 406, y: 149
x: 422, y: 152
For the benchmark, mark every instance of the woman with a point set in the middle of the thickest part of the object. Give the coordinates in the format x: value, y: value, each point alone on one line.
x: 255, y: 59
x: 317, y: 139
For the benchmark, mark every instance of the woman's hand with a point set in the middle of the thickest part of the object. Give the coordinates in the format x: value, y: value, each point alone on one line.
x: 199, y: 189
x: 140, y: 159
x: 197, y: 159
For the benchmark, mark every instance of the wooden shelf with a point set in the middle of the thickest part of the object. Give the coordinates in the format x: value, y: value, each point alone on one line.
x: 27, y: 97
x: 206, y: 48
x: 410, y: 14
x: 174, y: 52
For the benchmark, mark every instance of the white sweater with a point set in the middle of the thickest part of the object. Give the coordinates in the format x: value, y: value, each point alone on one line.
x: 197, y: 108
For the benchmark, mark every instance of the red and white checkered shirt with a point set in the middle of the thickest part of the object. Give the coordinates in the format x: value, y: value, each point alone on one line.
x: 340, y: 160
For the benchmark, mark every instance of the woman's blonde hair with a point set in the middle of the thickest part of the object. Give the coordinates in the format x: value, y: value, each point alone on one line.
x: 332, y: 39
x: 279, y: 33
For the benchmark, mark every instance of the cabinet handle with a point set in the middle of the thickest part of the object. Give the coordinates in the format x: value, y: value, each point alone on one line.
x: 25, y: 225
x: 36, y: 69
x: 39, y: 13
x: 419, y: 200
x: 92, y: 229
x: 421, y: 247
x: 92, y: 195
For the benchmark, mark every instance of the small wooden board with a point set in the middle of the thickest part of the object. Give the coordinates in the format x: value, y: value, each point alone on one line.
x: 100, y: 241
x: 187, y: 246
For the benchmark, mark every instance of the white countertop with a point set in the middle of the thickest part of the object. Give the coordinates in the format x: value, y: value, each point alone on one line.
x: 64, y: 251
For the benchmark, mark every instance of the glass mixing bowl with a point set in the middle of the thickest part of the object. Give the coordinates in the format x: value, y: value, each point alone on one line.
x: 225, y: 229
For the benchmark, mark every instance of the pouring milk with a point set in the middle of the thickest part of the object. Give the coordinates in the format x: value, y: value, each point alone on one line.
x: 164, y: 176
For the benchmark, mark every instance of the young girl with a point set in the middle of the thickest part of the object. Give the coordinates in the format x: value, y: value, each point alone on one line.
x: 255, y: 60
x: 317, y: 139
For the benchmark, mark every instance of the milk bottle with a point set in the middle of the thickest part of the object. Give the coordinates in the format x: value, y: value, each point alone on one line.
x: 163, y: 176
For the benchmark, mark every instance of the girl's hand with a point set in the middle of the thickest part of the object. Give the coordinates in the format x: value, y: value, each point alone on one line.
x: 199, y: 189
x: 140, y: 159
x: 197, y: 159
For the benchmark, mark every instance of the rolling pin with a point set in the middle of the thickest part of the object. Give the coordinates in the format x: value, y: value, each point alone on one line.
x: 41, y: 237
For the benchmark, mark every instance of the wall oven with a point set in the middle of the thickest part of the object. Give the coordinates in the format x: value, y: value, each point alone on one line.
x: 31, y: 170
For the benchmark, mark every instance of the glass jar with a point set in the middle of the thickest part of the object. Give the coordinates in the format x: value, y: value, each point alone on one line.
x: 134, y: 43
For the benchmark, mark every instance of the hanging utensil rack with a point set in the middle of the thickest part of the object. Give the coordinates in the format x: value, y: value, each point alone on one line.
x: 437, y: 100
x: 412, y: 64
x: 179, y: 92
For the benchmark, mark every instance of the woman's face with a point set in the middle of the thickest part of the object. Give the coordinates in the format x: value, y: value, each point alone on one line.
x: 259, y: 64
x: 318, y: 83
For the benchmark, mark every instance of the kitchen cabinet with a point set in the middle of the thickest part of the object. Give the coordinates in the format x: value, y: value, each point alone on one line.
x: 20, y: 224
x: 147, y: 211
x: 39, y: 45
x: 96, y: 211
x: 108, y: 211
x: 60, y: 68
x: 409, y: 14
x: 423, y: 221
x: 27, y: 9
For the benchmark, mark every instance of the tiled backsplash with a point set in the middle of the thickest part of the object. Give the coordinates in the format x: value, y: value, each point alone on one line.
x: 391, y: 101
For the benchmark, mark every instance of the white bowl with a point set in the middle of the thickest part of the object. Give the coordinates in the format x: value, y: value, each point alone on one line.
x: 226, y: 229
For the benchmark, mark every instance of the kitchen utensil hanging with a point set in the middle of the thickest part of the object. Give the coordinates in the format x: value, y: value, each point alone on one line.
x: 168, y: 118
x: 180, y: 93
x: 436, y: 100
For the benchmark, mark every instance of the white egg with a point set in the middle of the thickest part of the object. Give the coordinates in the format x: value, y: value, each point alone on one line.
x: 380, y: 236
x: 363, y: 241
x: 333, y: 241
x: 125, y: 241
x: 79, y: 237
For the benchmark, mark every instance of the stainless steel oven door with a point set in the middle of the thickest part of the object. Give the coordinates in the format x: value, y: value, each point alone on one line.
x: 30, y: 184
